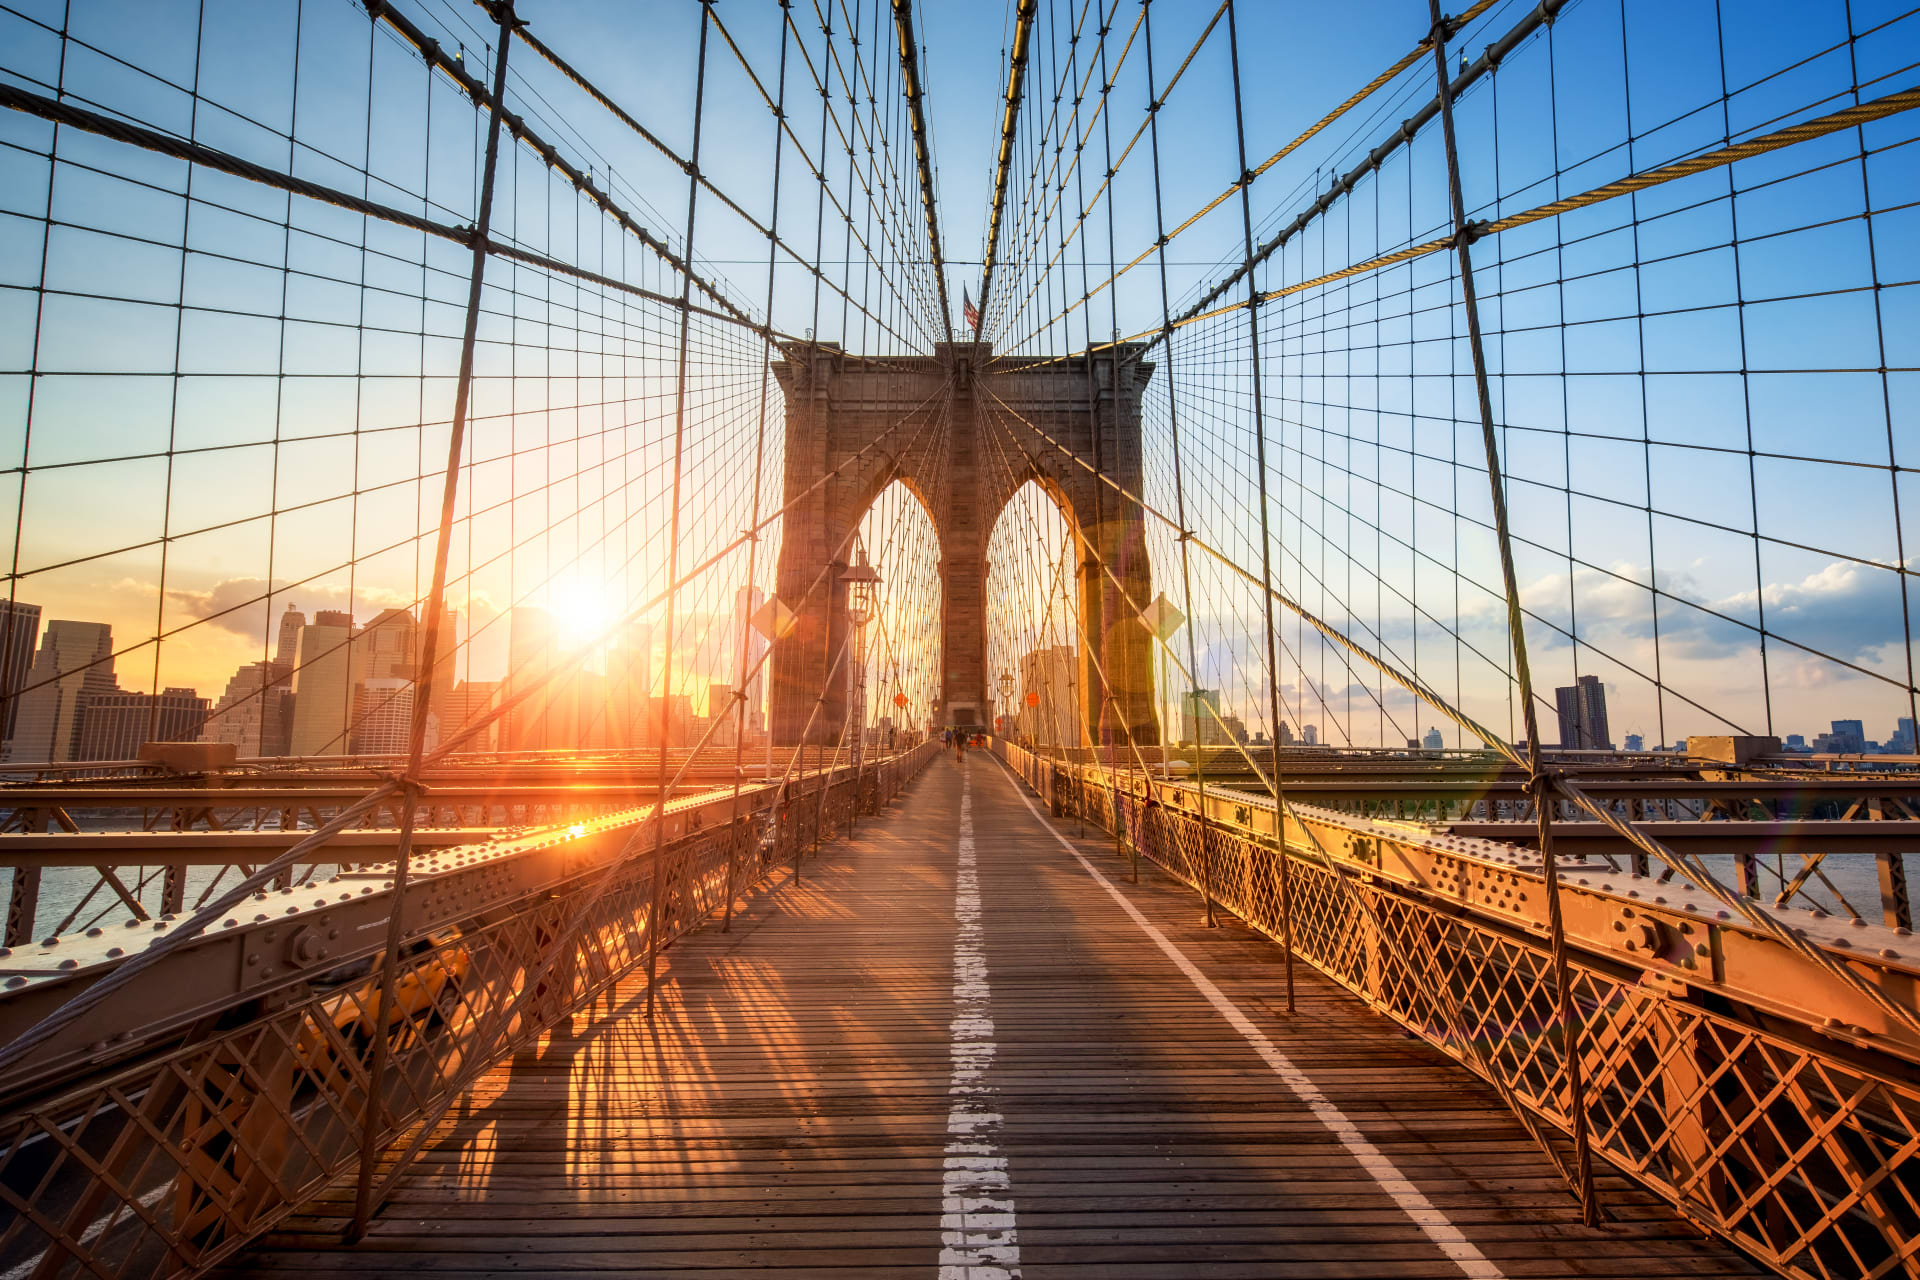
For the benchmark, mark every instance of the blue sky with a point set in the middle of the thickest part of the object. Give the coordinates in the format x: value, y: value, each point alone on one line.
x: 1648, y: 398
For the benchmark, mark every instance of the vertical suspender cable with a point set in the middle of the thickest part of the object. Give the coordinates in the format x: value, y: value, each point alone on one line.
x: 1260, y: 461
x: 1539, y: 782
x: 502, y: 12
x: 759, y: 465
x: 673, y: 516
x: 1179, y: 491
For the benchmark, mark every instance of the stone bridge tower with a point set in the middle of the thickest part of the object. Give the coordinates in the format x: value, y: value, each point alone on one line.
x: 934, y: 423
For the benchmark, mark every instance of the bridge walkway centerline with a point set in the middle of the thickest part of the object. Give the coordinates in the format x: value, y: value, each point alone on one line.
x: 824, y: 1092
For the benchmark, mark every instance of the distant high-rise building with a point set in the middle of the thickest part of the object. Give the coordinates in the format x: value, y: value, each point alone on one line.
x: 1902, y: 742
x: 19, y: 634
x: 391, y: 645
x: 1635, y: 742
x: 114, y: 725
x: 74, y: 663
x: 1433, y: 741
x: 531, y: 649
x: 670, y: 721
x: 629, y: 681
x: 329, y: 671
x: 286, y: 648
x: 256, y: 711
x: 468, y: 703
x: 1049, y: 674
x: 1849, y: 737
x: 383, y: 718
x: 746, y: 603
x: 445, y: 662
x: 720, y: 707
x: 1200, y: 719
x: 1285, y: 735
x: 1583, y: 715
x: 1310, y: 735
x: 1796, y: 742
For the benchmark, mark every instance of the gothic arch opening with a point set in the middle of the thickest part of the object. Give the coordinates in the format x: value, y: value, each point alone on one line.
x: 902, y: 647
x: 1034, y: 649
x: 855, y: 426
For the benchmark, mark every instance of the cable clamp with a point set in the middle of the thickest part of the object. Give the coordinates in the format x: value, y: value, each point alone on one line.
x: 501, y: 11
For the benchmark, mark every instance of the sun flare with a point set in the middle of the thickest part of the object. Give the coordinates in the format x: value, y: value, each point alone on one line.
x: 581, y: 614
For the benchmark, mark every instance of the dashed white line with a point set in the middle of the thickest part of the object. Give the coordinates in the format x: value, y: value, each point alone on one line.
x: 1379, y: 1167
x: 978, y: 1236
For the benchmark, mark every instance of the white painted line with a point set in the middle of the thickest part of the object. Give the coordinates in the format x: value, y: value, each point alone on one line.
x: 1383, y: 1171
x: 978, y: 1239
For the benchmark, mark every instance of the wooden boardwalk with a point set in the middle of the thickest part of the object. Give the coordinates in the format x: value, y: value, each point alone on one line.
x: 868, y: 1076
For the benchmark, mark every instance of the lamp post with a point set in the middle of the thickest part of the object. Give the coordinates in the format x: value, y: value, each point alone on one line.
x: 862, y: 588
x: 1006, y: 700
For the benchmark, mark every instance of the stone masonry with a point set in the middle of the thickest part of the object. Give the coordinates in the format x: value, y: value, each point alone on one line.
x: 950, y: 441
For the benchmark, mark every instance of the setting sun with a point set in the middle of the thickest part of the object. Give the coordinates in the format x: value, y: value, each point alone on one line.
x: 581, y: 614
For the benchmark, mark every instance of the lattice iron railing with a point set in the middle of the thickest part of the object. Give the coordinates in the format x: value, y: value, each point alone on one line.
x: 1798, y: 1147
x: 169, y: 1162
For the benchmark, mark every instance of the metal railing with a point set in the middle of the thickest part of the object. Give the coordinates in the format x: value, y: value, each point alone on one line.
x: 167, y: 1157
x: 1790, y: 1132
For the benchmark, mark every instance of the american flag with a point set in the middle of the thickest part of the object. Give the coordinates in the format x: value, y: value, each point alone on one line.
x: 968, y: 312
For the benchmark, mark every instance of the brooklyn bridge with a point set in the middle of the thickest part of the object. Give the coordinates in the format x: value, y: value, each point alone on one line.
x: 1290, y: 655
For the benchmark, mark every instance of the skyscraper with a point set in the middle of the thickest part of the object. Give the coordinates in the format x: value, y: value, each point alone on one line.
x: 670, y: 721
x: 74, y: 663
x: 1049, y: 674
x: 323, y: 688
x: 446, y: 659
x: 1433, y: 741
x: 114, y: 724
x: 19, y: 632
x: 629, y: 680
x: 1582, y: 708
x: 468, y: 702
x: 747, y: 602
x: 530, y: 658
x: 383, y: 718
x: 720, y: 707
x: 1200, y: 721
x: 255, y: 713
x: 1849, y: 737
x: 391, y: 645
x: 287, y: 647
